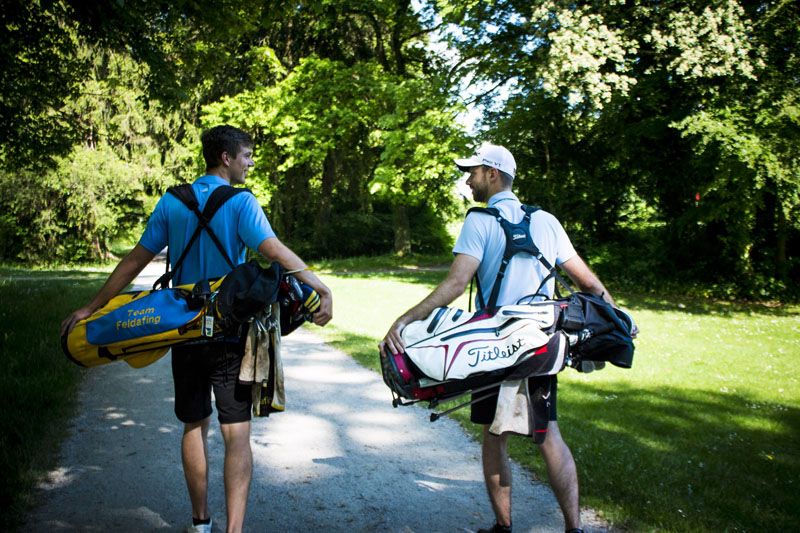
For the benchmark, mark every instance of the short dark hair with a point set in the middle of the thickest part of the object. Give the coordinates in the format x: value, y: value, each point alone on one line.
x: 508, y: 179
x: 223, y: 138
x: 505, y: 177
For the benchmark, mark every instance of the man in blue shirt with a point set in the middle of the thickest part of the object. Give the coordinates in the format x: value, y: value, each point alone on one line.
x: 479, y: 249
x: 239, y: 224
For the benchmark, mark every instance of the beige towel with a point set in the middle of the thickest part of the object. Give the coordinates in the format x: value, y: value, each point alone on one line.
x: 514, y: 413
x: 261, y: 365
x: 278, y: 400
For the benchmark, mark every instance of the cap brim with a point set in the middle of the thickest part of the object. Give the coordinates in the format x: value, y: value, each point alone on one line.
x: 465, y: 164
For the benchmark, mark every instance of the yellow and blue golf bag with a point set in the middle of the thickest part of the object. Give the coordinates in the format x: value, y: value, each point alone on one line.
x: 139, y: 327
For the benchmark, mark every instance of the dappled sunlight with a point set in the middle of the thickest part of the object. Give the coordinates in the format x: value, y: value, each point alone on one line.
x: 324, y: 374
x: 380, y: 394
x: 677, y: 438
x: 280, y: 442
x: 140, y: 518
x: 338, y: 450
x: 318, y: 356
x: 378, y: 415
x: 655, y: 444
x: 379, y: 437
x: 331, y: 408
x: 62, y: 476
x: 432, y: 486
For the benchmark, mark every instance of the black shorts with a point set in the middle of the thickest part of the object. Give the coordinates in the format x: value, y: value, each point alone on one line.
x: 482, y: 412
x: 196, y: 368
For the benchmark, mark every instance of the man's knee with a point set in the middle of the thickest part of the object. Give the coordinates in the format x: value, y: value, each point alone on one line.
x: 237, y: 434
x: 494, y: 443
x: 199, y: 426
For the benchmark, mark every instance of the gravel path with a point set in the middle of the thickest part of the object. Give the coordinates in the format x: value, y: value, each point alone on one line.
x: 340, y: 458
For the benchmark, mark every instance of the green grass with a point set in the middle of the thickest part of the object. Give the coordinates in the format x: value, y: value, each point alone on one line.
x: 702, y: 434
x: 37, y: 383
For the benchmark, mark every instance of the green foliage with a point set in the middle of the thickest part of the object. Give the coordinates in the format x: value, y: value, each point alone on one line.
x: 616, y: 104
x: 619, y: 115
x: 334, y: 140
x: 73, y: 211
x: 40, y: 72
x: 106, y: 185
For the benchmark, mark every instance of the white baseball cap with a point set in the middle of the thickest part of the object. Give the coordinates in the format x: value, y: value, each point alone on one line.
x: 490, y: 155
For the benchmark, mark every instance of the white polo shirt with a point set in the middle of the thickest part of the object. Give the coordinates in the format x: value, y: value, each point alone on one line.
x: 483, y: 238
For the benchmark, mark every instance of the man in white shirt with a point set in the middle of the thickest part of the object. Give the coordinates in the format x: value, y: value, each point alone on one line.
x: 479, y: 249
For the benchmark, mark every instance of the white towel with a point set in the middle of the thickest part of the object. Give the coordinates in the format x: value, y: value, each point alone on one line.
x: 514, y: 413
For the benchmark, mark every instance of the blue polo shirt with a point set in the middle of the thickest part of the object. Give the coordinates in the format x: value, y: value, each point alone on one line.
x: 239, y: 224
x: 483, y: 238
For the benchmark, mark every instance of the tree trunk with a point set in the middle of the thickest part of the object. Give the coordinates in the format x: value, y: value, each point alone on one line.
x: 402, y: 230
x: 396, y: 37
x: 323, y: 216
x: 781, y: 266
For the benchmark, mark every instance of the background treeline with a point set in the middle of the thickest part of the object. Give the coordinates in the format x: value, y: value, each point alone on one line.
x: 666, y: 135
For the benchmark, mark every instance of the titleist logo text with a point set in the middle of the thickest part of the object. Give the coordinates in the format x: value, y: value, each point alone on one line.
x: 484, y: 353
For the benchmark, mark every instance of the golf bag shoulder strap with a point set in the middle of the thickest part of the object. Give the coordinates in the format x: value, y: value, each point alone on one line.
x: 518, y: 240
x: 185, y: 193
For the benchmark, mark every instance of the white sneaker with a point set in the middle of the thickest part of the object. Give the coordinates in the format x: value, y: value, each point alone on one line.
x: 201, y: 528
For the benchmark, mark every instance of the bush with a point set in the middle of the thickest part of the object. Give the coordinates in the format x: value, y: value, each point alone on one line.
x: 643, y: 260
x: 354, y: 233
x: 71, y: 212
x: 429, y: 233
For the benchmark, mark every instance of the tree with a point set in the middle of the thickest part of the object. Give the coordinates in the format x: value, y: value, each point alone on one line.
x: 38, y: 54
x: 615, y: 106
x: 357, y: 103
x: 335, y: 138
x: 106, y: 184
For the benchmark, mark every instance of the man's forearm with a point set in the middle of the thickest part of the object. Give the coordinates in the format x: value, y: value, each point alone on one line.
x: 461, y: 271
x: 586, y: 280
x: 598, y: 289
x: 274, y: 250
x: 124, y: 273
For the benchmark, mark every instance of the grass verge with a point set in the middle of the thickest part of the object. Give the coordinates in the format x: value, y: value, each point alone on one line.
x: 38, y: 383
x: 703, y: 434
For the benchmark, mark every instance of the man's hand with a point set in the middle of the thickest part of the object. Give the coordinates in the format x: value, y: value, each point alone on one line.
x: 74, y: 318
x: 634, y: 327
x: 274, y: 250
x: 324, y: 314
x: 392, y: 343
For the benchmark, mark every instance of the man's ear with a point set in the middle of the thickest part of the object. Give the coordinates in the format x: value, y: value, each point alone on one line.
x: 225, y: 158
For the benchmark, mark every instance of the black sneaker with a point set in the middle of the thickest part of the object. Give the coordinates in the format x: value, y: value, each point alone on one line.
x: 497, y: 528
